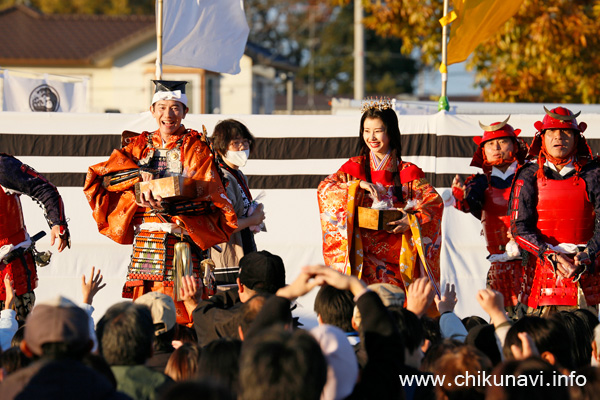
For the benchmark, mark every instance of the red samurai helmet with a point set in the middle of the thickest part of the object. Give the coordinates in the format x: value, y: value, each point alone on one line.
x: 560, y: 118
x: 497, y: 130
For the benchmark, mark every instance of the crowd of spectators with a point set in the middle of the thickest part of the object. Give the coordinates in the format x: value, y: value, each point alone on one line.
x: 371, y: 342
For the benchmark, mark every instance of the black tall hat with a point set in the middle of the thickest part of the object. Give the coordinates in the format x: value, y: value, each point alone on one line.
x: 170, y: 90
x: 169, y: 86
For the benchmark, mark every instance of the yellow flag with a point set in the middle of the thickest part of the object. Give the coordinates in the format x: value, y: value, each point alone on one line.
x: 477, y: 21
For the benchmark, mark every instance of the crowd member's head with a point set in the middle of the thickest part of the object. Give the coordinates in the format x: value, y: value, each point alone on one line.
x: 250, y: 310
x: 473, y: 321
x: 436, y: 351
x: 509, y: 372
x: 11, y: 360
x: 432, y: 333
x: 334, y: 307
x: 57, y: 329
x: 18, y: 337
x: 483, y: 338
x: 596, y: 347
x: 126, y: 334
x: 580, y: 336
x: 591, y: 388
x: 220, y: 362
x: 162, y: 308
x: 411, y: 331
x: 278, y: 364
x: 550, y: 337
x: 456, y: 366
x: 169, y: 106
x: 342, y: 366
x: 233, y: 142
x: 194, y: 390
x: 260, y: 272
x: 392, y: 296
x: 183, y: 363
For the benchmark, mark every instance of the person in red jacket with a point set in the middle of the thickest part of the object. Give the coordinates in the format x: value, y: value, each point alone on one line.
x: 17, y: 251
x: 555, y: 204
x: 499, y: 153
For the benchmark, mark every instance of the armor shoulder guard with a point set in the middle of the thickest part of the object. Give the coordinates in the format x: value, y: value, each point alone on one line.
x: 128, y: 137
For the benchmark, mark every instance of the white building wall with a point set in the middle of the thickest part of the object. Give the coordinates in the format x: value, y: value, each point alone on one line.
x: 236, y: 90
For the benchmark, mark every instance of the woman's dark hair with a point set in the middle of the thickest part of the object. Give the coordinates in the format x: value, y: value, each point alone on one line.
x: 18, y: 337
x: 548, y: 334
x: 13, y: 359
x: 228, y: 130
x: 183, y: 363
x: 220, y: 362
x: 580, y: 334
x: 392, y: 129
x: 473, y: 321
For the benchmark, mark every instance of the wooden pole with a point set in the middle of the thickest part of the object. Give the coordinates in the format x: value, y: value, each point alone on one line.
x: 159, y: 35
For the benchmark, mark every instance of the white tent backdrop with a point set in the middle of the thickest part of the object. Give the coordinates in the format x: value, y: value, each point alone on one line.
x: 292, y: 213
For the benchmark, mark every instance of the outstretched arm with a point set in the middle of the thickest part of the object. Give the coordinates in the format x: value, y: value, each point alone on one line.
x: 22, y: 179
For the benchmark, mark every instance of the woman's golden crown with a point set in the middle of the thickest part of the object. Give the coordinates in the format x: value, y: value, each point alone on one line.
x: 376, y: 103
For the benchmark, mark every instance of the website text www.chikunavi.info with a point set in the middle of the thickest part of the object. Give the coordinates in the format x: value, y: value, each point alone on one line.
x: 483, y: 378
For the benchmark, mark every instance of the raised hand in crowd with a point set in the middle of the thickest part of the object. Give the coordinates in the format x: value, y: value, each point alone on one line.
x: 419, y: 296
x: 528, y: 347
x: 10, y: 293
x: 492, y: 303
x: 190, y: 292
x: 326, y: 275
x: 448, y: 300
x: 91, y: 287
x: 303, y: 284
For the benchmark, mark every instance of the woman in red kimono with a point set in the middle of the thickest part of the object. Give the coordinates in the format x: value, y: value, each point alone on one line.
x: 409, y: 247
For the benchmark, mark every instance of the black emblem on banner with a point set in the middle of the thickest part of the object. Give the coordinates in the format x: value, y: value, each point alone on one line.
x: 44, y: 98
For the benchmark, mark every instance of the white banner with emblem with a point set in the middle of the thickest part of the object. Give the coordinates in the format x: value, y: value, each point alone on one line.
x: 43, y: 94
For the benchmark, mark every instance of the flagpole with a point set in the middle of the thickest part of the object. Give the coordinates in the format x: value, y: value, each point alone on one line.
x: 159, y: 35
x: 443, y: 101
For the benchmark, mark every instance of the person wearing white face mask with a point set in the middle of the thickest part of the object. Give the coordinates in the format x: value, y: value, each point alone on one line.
x: 233, y: 142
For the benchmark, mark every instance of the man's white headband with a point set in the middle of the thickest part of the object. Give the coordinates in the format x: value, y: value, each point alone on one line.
x: 174, y: 95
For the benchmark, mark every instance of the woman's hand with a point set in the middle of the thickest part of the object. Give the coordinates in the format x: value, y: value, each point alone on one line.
x: 399, y: 226
x: 258, y: 216
x: 371, y: 188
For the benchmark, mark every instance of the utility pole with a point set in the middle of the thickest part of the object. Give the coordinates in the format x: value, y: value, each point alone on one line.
x: 359, y: 52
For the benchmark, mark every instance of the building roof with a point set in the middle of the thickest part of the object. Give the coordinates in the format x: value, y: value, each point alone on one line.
x: 33, y: 38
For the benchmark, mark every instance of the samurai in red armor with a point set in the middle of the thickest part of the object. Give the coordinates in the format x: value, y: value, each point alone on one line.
x: 554, y: 209
x: 18, y: 256
x: 499, y: 153
x: 155, y: 227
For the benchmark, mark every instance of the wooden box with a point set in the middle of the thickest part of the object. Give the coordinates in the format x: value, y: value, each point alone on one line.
x: 170, y: 188
x: 371, y: 218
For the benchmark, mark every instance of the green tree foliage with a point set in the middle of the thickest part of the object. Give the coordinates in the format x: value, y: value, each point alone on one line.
x: 548, y: 52
x: 320, y: 38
